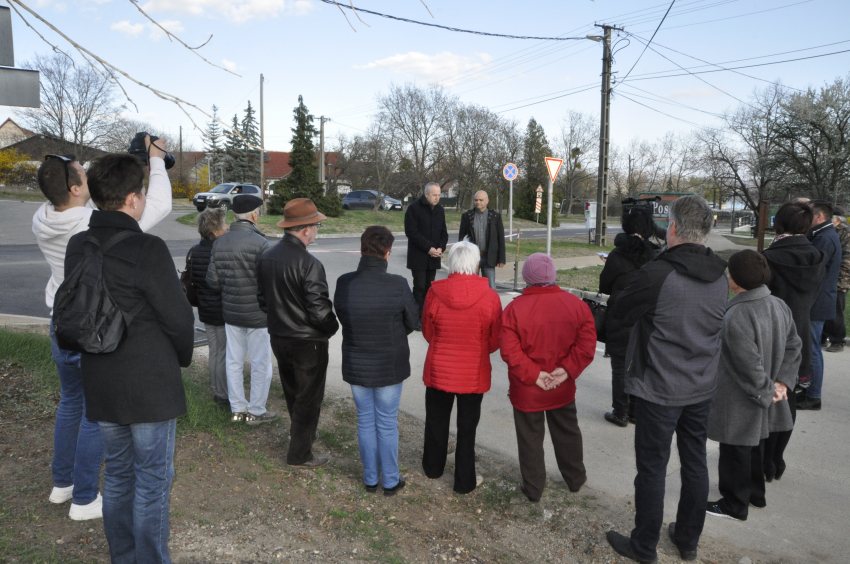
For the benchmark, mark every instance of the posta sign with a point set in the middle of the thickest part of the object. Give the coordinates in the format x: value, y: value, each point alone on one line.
x: 661, y: 208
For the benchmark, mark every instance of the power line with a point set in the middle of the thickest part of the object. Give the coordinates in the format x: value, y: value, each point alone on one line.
x: 672, y: 102
x: 650, y: 40
x: 666, y: 114
x: 678, y: 12
x: 447, y: 28
x: 548, y: 100
x: 741, y: 67
x: 734, y: 17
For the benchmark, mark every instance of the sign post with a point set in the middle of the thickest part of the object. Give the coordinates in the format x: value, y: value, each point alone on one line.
x: 554, y: 165
x: 510, y: 172
x: 538, y: 204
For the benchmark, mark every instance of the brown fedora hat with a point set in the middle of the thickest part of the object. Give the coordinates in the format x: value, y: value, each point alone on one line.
x: 300, y: 211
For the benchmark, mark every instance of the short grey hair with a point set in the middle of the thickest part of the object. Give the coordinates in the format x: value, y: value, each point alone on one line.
x: 427, y: 186
x: 693, y: 218
x: 464, y: 258
x: 244, y: 215
x: 209, y: 221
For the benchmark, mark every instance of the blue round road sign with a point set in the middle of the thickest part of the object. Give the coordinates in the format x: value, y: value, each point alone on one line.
x: 510, y: 171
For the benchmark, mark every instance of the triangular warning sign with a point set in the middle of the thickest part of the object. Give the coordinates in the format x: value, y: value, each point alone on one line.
x: 554, y: 165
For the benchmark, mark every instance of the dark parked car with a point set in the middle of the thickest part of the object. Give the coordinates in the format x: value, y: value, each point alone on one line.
x: 365, y: 200
x: 222, y: 196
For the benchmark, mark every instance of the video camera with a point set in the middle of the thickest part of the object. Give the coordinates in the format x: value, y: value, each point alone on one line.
x: 138, y: 149
x: 647, y: 206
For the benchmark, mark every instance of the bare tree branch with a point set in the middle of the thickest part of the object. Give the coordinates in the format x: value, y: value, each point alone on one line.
x: 170, y: 35
x: 346, y: 17
x: 353, y: 9
x: 52, y: 46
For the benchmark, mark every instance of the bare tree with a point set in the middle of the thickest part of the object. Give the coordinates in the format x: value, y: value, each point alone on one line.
x: 117, y: 137
x: 77, y: 103
x: 579, y: 145
x: 743, y: 157
x: 505, y: 146
x: 467, y: 131
x: 416, y: 115
x: 814, y: 138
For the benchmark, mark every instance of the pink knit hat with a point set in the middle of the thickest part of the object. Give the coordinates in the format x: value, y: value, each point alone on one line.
x: 538, y: 269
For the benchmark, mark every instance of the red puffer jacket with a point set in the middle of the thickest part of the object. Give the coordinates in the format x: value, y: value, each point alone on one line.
x: 461, y: 321
x: 543, y: 329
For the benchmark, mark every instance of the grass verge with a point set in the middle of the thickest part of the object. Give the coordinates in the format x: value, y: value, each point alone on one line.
x: 29, y: 197
x: 586, y: 279
x: 562, y: 247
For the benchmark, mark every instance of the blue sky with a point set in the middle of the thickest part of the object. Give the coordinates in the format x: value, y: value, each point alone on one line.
x: 306, y: 47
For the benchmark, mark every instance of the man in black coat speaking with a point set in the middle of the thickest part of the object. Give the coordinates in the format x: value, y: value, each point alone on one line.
x: 427, y: 237
x: 484, y: 227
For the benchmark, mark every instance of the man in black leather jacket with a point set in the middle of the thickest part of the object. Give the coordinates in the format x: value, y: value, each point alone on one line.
x: 293, y: 291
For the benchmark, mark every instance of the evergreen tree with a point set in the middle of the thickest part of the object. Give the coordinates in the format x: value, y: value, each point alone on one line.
x: 535, y: 173
x: 303, y: 181
x: 250, y: 131
x: 234, y: 149
x: 214, y: 146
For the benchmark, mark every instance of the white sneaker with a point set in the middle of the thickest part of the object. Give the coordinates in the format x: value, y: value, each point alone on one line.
x: 93, y: 510
x: 478, y: 481
x: 61, y: 495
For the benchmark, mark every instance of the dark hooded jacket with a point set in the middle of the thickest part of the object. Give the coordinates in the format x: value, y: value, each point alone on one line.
x: 796, y: 271
x: 630, y: 254
x: 209, y: 300
x: 825, y: 239
x: 676, y: 304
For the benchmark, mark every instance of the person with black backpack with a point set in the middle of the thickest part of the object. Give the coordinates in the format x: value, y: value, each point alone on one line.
x: 141, y: 335
x: 77, y: 448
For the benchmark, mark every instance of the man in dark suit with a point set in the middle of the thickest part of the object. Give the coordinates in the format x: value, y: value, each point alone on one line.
x: 484, y: 227
x: 427, y: 237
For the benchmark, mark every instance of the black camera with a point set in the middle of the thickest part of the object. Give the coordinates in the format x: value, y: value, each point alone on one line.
x: 138, y: 149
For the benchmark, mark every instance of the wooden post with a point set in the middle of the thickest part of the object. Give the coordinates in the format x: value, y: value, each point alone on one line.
x: 764, y: 217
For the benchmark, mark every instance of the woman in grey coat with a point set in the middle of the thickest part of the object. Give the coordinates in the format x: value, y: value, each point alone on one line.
x: 760, y: 355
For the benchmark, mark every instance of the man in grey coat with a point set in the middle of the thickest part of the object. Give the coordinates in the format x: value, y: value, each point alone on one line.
x: 233, y: 271
x: 759, y: 359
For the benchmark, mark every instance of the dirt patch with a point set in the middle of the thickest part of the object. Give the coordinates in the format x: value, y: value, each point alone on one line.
x: 234, y: 500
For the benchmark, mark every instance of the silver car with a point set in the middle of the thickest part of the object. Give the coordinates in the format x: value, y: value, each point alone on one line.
x: 222, y: 196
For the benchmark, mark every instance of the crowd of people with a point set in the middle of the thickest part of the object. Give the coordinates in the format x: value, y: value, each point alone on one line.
x: 728, y: 370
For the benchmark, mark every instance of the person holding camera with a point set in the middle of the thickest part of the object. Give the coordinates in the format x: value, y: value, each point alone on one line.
x: 77, y: 446
x: 135, y: 393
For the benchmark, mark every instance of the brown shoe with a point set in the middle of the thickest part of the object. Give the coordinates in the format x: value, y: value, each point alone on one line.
x: 317, y: 462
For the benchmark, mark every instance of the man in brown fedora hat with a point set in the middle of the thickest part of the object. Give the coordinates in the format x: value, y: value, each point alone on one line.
x: 293, y: 291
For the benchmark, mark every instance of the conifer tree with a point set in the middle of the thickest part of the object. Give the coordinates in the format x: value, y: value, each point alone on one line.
x: 534, y: 173
x: 214, y: 145
x: 303, y: 181
x: 235, y: 151
x: 250, y: 132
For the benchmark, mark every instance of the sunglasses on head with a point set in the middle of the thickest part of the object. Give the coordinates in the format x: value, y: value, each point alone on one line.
x: 65, y: 160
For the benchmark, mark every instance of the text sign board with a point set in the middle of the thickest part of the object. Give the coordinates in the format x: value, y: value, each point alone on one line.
x: 661, y: 208
x: 553, y: 165
x: 510, y: 171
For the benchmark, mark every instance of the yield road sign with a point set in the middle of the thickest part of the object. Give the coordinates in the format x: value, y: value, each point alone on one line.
x: 554, y: 165
x: 510, y: 171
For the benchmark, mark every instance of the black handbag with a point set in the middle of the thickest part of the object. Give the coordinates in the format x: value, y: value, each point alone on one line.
x: 599, y: 309
x: 186, y: 282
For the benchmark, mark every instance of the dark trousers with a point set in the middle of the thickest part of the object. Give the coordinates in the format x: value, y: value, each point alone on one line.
x: 438, y: 412
x: 303, y: 366
x: 774, y: 446
x: 566, y: 438
x: 621, y: 402
x: 741, y: 478
x: 421, y: 284
x: 654, y: 429
x: 835, y: 328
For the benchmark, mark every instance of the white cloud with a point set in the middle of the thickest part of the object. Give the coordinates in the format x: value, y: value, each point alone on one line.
x: 232, y: 10
x: 229, y: 65
x: 694, y: 93
x: 430, y: 67
x: 127, y: 28
x: 171, y: 25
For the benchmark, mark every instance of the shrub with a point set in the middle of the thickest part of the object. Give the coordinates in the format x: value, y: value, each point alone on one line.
x: 186, y: 189
x: 17, y: 170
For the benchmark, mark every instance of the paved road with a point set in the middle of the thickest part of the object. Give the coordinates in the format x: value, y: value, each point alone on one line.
x: 802, y: 522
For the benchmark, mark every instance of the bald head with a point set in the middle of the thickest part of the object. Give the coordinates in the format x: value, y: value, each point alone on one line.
x: 480, y: 200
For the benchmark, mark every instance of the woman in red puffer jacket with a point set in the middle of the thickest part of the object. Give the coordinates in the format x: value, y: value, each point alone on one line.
x: 461, y: 321
x: 548, y: 339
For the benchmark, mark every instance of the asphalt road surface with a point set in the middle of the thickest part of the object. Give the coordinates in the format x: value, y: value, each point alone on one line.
x: 802, y: 521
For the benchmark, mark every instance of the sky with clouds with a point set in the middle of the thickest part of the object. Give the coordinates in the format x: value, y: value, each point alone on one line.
x: 307, y: 47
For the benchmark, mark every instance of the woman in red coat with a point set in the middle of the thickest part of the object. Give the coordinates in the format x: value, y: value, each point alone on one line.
x: 548, y: 338
x: 461, y: 321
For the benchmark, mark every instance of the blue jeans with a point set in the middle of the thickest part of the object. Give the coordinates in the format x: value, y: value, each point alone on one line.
x: 137, y: 482
x: 488, y: 272
x: 77, y: 448
x: 377, y: 432
x: 816, y: 386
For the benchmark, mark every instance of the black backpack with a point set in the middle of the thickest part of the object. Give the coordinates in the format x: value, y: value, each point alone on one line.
x: 85, y: 317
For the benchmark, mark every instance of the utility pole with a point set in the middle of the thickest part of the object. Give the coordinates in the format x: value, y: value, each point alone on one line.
x: 604, y: 139
x: 180, y: 175
x: 322, y: 121
x: 262, y: 145
x: 629, y: 179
